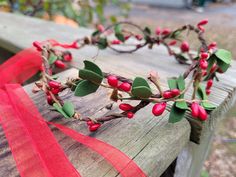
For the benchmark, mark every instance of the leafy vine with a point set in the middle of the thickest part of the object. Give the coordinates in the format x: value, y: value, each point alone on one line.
x: 126, y: 37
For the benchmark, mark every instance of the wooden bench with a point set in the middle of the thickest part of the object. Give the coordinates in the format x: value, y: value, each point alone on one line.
x: 150, y: 141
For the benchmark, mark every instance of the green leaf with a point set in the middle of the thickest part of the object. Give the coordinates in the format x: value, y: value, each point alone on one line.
x: 201, y: 92
x: 102, y: 43
x: 117, y: 29
x: 139, y: 81
x: 141, y: 92
x: 95, y: 33
x: 172, y: 83
x: 60, y: 110
x: 120, y: 36
x: 68, y: 108
x: 181, y: 105
x: 74, y: 86
x: 113, y: 19
x: 85, y: 87
x: 176, y: 114
x: 224, y: 55
x: 92, y: 67
x: 90, y: 75
x: 211, y: 62
x: 147, y: 30
x: 52, y: 58
x: 208, y: 106
x: 181, y: 83
x: 223, y: 66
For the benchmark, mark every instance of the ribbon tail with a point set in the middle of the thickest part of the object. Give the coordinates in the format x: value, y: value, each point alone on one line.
x: 30, y: 138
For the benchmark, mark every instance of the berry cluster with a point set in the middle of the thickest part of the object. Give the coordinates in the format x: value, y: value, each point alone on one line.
x: 203, y: 66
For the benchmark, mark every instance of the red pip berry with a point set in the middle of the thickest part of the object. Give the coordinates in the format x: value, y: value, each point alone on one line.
x: 204, y: 55
x: 208, y: 91
x: 127, y: 37
x: 184, y: 46
x: 54, y: 84
x: 204, y: 72
x: 167, y: 94
x: 100, y: 27
x: 158, y: 31
x: 175, y: 92
x: 203, y: 64
x: 212, y: 45
x: 165, y: 32
x: 60, y: 64
x: 202, y: 22
x: 125, y: 86
x: 138, y: 37
x: 112, y: 81
x: 89, y: 123
x: 37, y: 45
x: 213, y: 68
x: 116, y: 42
x: 202, y: 113
x: 158, y: 109
x: 201, y: 28
x: 94, y: 127
x: 67, y: 57
x: 130, y: 115
x: 55, y: 91
x: 209, y: 84
x: 125, y: 107
x: 194, y: 109
x: 50, y: 100
x: 173, y: 42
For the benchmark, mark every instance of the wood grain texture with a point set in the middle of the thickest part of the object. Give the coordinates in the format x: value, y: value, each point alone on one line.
x: 149, y: 140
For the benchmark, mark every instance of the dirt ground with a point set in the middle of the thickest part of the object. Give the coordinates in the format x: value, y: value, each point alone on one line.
x: 222, y: 29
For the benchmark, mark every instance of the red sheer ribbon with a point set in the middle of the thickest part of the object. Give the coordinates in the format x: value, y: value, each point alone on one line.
x: 33, y: 145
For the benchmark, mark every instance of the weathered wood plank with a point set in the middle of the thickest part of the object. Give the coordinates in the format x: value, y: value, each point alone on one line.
x: 152, y: 142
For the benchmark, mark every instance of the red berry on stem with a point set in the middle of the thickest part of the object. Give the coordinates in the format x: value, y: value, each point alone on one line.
x: 202, y: 22
x: 54, y: 84
x: 195, y: 109
x: 138, y: 37
x: 55, y: 91
x: 158, y: 31
x: 173, y: 42
x: 89, y: 123
x: 201, y: 28
x: 204, y: 55
x: 60, y: 64
x: 202, y: 113
x: 203, y: 64
x: 112, y: 81
x: 165, y: 32
x: 212, y: 45
x: 158, y: 109
x: 204, y: 72
x: 184, y: 46
x: 208, y: 91
x: 167, y: 94
x: 125, y: 86
x: 100, y: 28
x: 37, y: 45
x: 213, y: 68
x: 127, y: 37
x: 50, y: 100
x: 125, y: 107
x: 67, y: 57
x: 209, y: 84
x: 130, y: 115
x: 175, y: 92
x: 116, y: 42
x: 94, y: 127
